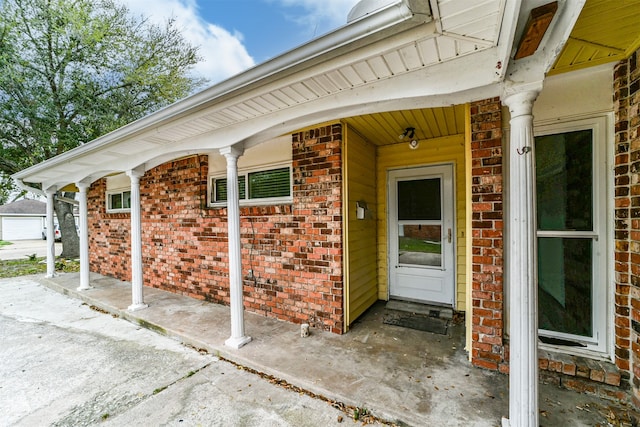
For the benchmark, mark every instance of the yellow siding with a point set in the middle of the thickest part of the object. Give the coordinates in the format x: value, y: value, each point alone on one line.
x: 449, y: 149
x: 360, y: 182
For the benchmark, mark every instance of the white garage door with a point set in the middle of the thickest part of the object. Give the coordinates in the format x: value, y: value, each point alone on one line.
x: 15, y: 228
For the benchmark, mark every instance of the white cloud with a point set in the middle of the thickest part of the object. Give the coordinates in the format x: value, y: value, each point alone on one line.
x: 223, y: 52
x: 331, y: 12
x: 320, y: 16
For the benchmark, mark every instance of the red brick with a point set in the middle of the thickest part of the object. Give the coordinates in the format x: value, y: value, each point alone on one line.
x: 486, y: 158
x: 185, y: 242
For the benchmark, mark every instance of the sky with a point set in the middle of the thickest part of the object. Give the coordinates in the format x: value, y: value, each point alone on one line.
x: 234, y: 35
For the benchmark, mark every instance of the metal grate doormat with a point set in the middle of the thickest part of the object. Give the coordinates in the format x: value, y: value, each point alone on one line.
x: 429, y: 322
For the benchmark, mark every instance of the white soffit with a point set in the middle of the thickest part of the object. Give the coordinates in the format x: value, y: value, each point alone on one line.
x: 466, y: 33
x: 478, y: 19
x: 459, y: 28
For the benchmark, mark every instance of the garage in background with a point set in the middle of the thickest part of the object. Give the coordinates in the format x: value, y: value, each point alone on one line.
x: 22, y: 220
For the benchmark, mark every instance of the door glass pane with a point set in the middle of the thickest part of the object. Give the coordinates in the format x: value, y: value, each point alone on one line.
x: 565, y: 285
x: 420, y: 244
x: 564, y: 181
x: 419, y: 199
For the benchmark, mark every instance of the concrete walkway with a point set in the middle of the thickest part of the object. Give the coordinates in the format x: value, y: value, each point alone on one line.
x: 21, y: 249
x: 401, y: 375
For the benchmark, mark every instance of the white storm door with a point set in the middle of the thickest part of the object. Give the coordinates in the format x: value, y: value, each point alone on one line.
x: 421, y: 234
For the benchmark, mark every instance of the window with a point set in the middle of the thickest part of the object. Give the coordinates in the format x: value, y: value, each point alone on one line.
x: 571, y: 235
x: 118, y: 194
x: 119, y: 201
x: 219, y: 186
x: 256, y: 186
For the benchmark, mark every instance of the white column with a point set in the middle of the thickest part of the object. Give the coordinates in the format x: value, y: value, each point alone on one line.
x: 137, y: 300
x: 238, y: 338
x: 521, y: 260
x: 84, y: 237
x: 51, y: 239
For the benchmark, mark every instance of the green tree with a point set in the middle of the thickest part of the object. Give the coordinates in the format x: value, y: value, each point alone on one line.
x: 73, y: 70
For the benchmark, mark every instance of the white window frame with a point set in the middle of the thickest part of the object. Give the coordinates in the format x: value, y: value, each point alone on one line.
x: 600, y: 345
x: 110, y: 193
x: 244, y: 172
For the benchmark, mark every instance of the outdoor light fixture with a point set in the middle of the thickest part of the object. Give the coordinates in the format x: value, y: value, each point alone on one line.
x: 410, y: 133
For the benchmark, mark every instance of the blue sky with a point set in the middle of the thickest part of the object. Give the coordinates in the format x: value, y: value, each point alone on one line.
x: 234, y: 35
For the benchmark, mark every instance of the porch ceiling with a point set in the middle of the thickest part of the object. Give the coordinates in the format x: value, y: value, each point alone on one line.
x: 606, y: 31
x: 384, y: 128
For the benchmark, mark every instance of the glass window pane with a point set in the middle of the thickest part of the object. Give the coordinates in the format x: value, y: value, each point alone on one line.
x: 420, y: 244
x: 419, y: 199
x: 271, y: 183
x: 126, y: 199
x: 115, y: 201
x: 220, y: 191
x: 564, y: 181
x: 565, y: 285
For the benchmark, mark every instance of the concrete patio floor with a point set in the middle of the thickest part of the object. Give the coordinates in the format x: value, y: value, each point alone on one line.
x: 400, y: 375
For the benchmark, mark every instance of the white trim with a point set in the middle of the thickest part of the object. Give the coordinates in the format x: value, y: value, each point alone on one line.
x: 84, y: 236
x: 448, y: 264
x: 520, y: 249
x: 51, y: 250
x: 600, y: 345
x: 610, y: 231
x: 109, y: 193
x: 137, y: 274
x: 238, y: 337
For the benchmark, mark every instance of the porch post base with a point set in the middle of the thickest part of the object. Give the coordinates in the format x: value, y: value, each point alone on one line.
x: 237, y: 342
x: 136, y: 307
x: 505, y: 422
x: 50, y: 275
x: 84, y: 288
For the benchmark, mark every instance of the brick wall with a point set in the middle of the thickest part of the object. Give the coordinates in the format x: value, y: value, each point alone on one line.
x: 622, y: 222
x: 487, y: 225
x: 109, y: 237
x: 634, y: 213
x: 627, y: 219
x: 291, y: 253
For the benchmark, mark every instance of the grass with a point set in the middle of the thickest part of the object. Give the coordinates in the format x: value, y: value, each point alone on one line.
x: 33, y: 265
x: 5, y: 243
x: 416, y: 245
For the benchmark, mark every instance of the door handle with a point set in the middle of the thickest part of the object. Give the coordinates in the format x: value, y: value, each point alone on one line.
x: 449, y: 235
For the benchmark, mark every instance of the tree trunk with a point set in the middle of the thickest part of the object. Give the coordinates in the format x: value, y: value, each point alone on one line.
x: 67, y: 222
